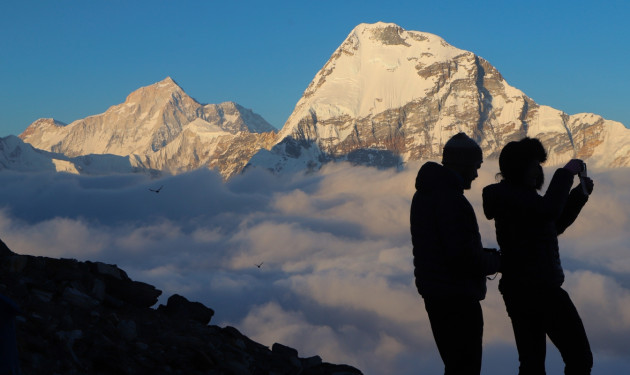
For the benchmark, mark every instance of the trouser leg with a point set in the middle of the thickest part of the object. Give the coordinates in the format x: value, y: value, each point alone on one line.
x: 566, y: 331
x: 457, y: 327
x: 529, y: 334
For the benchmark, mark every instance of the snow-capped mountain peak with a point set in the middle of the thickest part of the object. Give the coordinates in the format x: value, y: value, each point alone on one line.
x: 157, y: 93
x: 386, y: 96
x: 403, y: 94
x: 376, y: 68
x: 157, y: 125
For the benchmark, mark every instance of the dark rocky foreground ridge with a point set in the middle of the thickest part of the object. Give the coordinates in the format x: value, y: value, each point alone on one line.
x: 91, y: 318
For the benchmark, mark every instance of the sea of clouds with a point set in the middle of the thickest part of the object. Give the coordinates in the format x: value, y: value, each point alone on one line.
x: 337, y: 273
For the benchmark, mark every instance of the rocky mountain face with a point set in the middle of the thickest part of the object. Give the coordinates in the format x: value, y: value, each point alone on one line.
x: 387, y: 96
x: 91, y: 318
x: 161, y: 128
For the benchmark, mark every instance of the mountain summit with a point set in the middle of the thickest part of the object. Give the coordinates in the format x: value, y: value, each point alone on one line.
x: 388, y: 95
x: 385, y: 97
x: 159, y: 127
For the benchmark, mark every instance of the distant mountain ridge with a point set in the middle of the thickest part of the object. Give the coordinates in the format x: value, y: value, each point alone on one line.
x: 149, y: 119
x: 385, y: 97
x: 18, y: 156
x: 159, y: 127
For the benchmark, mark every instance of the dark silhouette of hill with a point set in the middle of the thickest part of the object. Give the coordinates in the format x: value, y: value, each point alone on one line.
x: 91, y: 318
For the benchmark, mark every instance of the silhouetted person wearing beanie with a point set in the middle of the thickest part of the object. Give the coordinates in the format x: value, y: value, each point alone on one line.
x: 527, y: 228
x: 450, y: 263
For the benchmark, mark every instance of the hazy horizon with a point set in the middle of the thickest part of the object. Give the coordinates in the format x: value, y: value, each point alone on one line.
x: 337, y: 277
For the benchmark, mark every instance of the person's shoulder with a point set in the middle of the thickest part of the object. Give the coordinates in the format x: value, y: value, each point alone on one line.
x: 506, y: 188
x: 432, y: 177
x: 492, y: 188
x: 498, y: 196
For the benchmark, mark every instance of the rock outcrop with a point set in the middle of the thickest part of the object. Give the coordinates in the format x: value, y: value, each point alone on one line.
x: 91, y: 318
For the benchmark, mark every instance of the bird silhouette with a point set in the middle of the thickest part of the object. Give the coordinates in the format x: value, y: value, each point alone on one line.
x: 259, y: 265
x: 156, y: 190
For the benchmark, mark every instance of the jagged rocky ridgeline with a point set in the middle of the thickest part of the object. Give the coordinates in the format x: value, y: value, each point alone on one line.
x: 91, y: 318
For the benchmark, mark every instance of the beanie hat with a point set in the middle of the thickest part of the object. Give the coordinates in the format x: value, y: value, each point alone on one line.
x: 461, y: 150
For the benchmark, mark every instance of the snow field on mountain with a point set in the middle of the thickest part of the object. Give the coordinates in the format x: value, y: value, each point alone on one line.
x: 359, y: 87
x: 382, y: 71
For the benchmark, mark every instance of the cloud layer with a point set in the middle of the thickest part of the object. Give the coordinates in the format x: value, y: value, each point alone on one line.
x: 337, y: 275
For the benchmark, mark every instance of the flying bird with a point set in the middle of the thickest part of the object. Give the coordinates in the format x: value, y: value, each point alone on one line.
x: 259, y: 265
x: 156, y: 190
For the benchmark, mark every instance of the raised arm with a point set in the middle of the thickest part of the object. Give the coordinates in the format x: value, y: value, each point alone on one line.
x: 577, y: 200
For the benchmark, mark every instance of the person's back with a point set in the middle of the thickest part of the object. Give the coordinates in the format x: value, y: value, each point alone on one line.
x: 527, y: 226
x: 450, y: 262
x: 528, y: 238
x: 445, y: 236
x: 527, y: 223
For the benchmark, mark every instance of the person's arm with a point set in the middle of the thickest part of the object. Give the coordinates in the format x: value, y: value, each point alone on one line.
x: 461, y: 241
x: 550, y: 205
x: 577, y: 199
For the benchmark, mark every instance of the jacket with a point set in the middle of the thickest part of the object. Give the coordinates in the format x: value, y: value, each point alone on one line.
x: 527, y: 228
x: 448, y: 257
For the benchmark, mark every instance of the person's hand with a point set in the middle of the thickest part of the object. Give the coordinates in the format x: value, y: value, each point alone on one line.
x: 588, y: 184
x: 574, y: 166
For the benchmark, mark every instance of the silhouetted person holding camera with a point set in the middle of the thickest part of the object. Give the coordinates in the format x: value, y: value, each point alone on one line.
x: 450, y: 263
x: 527, y: 228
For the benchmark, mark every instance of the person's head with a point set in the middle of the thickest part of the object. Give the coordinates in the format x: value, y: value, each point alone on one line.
x: 463, y: 155
x: 520, y: 162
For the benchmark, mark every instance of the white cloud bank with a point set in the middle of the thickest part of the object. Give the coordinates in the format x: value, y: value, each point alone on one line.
x: 337, y: 274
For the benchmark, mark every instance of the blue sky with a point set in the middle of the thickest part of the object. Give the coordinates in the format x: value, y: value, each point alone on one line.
x: 71, y: 59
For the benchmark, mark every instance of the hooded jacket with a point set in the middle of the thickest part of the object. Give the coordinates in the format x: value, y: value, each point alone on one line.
x: 449, y: 259
x: 527, y: 228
